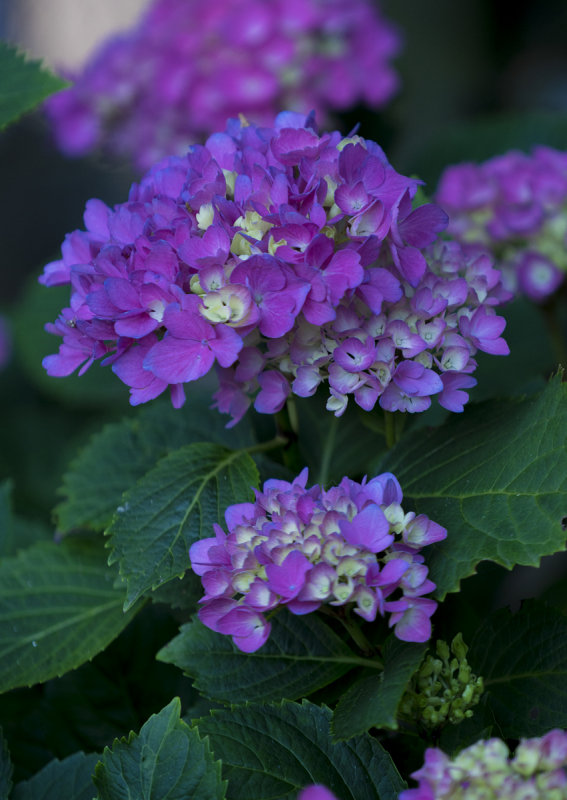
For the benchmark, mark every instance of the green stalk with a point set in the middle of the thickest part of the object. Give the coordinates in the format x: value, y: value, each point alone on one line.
x: 287, y: 424
x: 271, y: 444
x: 357, y: 635
x: 327, y: 453
x: 393, y: 427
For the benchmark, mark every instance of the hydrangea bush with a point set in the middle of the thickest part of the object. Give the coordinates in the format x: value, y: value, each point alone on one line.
x: 285, y: 577
x: 170, y: 81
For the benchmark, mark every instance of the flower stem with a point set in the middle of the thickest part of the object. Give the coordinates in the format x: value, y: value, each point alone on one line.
x: 357, y: 635
x: 328, y: 452
x: 271, y: 444
x: 353, y: 629
x: 287, y: 428
x: 393, y: 427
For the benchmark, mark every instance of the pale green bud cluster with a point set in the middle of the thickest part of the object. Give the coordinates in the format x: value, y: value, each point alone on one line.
x: 444, y: 688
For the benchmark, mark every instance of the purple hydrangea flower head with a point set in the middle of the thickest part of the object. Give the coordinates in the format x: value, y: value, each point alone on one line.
x: 487, y: 769
x: 287, y: 259
x: 351, y: 545
x: 514, y: 206
x: 170, y: 82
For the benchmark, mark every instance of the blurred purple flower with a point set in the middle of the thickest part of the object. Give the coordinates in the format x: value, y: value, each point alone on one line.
x: 190, y: 64
x: 515, y: 207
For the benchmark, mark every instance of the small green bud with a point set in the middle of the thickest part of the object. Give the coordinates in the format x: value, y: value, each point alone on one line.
x: 459, y: 648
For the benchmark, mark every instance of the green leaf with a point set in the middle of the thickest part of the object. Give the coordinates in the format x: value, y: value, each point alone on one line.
x: 58, y: 608
x: 272, y: 751
x: 183, y: 593
x: 123, y: 452
x: 301, y: 655
x: 6, y: 769
x: 23, y: 84
x: 171, y: 507
x: 496, y: 478
x: 16, y: 533
x: 104, y: 699
x: 167, y: 759
x: 523, y: 660
x: 372, y: 702
x: 70, y: 779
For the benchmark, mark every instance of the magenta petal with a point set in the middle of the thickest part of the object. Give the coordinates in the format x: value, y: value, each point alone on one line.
x: 415, y: 625
x: 391, y: 573
x: 239, y: 514
x: 273, y: 392
x: 122, y: 293
x: 287, y: 578
x: 206, y: 554
x: 422, y: 225
x: 213, y: 612
x: 179, y: 360
x: 369, y: 529
x: 226, y: 346
x: 412, y: 264
x: 135, y: 327
x: 248, y: 628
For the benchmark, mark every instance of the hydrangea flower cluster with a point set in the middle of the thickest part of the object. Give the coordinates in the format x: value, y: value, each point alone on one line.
x: 486, y: 769
x: 444, y: 688
x: 349, y: 545
x: 290, y: 257
x: 515, y: 205
x: 189, y: 65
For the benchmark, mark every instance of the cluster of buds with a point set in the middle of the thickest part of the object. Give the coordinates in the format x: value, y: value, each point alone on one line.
x: 487, y: 770
x: 294, y: 258
x: 169, y: 82
x: 514, y: 206
x: 351, y: 545
x: 443, y: 689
